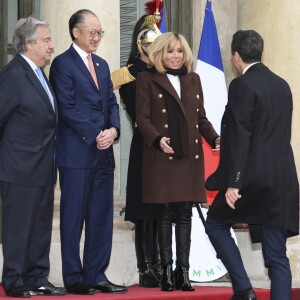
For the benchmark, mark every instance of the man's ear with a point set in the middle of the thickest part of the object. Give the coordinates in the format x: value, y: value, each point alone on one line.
x: 236, y: 56
x: 75, y: 32
x: 28, y: 46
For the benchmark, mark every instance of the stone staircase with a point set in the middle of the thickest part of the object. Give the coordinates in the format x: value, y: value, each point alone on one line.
x: 123, y: 270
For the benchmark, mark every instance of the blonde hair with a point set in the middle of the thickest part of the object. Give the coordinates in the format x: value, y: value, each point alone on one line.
x: 159, y: 49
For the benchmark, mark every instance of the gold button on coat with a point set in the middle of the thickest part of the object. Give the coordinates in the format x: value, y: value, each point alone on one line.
x: 197, y: 126
x: 196, y: 156
x: 170, y: 157
x: 198, y: 96
x: 198, y: 109
x: 196, y: 141
x: 163, y: 111
x: 159, y: 96
x: 166, y: 126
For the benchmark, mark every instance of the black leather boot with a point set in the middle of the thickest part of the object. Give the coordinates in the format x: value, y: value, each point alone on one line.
x: 144, y: 243
x: 183, y: 243
x: 182, y: 280
x: 165, y: 245
x: 148, y: 279
x: 156, y: 263
x: 167, y: 279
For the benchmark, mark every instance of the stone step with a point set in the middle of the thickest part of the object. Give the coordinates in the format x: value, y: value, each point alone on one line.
x: 123, y: 270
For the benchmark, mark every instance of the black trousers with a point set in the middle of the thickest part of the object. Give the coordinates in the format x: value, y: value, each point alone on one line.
x: 274, y: 253
x: 27, y: 214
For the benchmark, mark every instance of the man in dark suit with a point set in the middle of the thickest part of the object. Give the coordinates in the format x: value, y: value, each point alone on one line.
x: 256, y: 176
x: 88, y: 126
x: 27, y: 121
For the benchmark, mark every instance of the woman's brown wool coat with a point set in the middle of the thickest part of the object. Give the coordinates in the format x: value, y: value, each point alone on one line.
x: 166, y: 179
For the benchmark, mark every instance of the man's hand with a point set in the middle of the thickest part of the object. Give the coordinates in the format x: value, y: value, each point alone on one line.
x: 232, y: 195
x: 106, y: 138
x: 217, y: 144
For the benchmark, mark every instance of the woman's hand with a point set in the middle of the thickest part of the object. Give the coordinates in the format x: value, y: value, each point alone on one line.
x: 164, y: 145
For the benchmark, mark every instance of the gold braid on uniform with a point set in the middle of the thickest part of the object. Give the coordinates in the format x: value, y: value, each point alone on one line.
x: 121, y: 76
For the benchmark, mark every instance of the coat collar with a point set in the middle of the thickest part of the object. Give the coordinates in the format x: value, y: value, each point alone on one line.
x: 257, y: 66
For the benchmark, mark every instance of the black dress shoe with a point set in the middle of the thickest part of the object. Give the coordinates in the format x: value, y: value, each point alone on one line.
x: 18, y: 291
x: 108, y: 287
x: 80, y: 288
x: 48, y: 289
x: 248, y: 294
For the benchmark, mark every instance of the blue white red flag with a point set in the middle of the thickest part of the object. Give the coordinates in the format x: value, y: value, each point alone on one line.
x: 210, y: 69
x: 163, y: 24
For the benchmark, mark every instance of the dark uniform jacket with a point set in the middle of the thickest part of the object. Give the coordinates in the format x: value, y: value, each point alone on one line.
x: 165, y: 178
x: 135, y: 209
x: 256, y: 156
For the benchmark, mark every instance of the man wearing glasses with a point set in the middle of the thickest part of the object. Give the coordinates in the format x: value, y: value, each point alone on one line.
x: 88, y: 126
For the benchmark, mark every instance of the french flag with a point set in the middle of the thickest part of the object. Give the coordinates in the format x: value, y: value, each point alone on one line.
x: 163, y: 23
x: 210, y: 69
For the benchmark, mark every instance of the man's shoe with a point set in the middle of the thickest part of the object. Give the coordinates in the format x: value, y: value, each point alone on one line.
x: 18, y: 291
x: 248, y: 294
x: 108, y: 287
x: 80, y: 288
x: 48, y: 289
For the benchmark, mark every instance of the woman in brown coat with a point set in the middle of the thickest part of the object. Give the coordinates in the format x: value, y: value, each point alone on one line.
x: 171, y: 118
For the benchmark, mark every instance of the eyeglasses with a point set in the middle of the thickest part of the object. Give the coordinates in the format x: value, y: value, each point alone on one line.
x: 94, y: 33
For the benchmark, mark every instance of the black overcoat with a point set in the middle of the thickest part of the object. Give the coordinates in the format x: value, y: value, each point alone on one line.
x: 256, y: 156
x: 135, y: 209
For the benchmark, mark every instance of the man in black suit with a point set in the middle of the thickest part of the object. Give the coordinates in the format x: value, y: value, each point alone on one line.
x: 256, y: 176
x: 28, y: 117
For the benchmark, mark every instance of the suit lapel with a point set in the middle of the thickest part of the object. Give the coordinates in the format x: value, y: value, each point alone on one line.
x: 36, y: 83
x: 53, y: 95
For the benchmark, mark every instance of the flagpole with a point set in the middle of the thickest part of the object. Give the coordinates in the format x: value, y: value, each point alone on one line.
x: 198, y: 206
